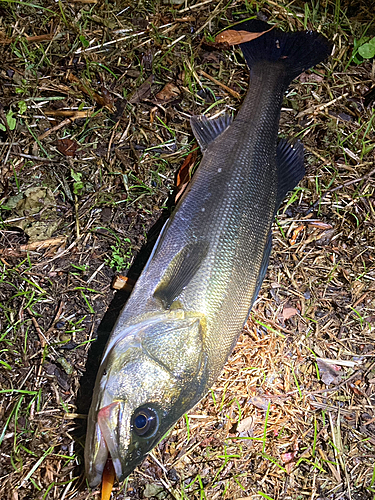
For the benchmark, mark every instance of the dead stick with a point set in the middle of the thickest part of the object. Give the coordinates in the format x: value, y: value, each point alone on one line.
x: 51, y: 242
x: 37, y: 328
x: 225, y: 87
x: 320, y: 107
x: 53, y: 129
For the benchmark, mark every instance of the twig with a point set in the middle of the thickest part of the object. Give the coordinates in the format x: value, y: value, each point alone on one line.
x: 320, y: 107
x: 35, y: 158
x: 213, y: 14
x: 217, y: 82
x: 37, y: 328
x: 196, y: 6
x: 35, y: 245
x: 62, y: 124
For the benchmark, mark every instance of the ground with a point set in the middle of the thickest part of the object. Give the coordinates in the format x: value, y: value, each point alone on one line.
x: 95, y: 100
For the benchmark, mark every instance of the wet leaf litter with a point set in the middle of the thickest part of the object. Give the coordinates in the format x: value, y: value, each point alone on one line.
x: 334, y: 275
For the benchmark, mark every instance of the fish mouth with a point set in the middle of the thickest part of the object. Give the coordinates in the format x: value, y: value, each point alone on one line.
x: 110, y: 420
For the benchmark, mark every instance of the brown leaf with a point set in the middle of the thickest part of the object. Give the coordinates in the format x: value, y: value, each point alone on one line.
x: 288, y: 457
x: 289, y: 312
x: 295, y: 234
x: 245, y: 426
x: 184, y: 173
x: 319, y: 224
x: 67, y: 147
x: 169, y: 93
x: 325, y: 238
x: 108, y: 479
x: 143, y: 92
x: 355, y: 389
x: 106, y: 100
x: 329, y: 373
x: 259, y: 402
x: 313, y: 77
x: 70, y: 113
x: 234, y: 37
x: 123, y: 283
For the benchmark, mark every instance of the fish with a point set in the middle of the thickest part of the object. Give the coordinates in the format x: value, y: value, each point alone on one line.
x: 191, y: 301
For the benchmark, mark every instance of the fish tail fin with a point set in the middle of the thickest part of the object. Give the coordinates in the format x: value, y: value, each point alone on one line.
x: 297, y: 51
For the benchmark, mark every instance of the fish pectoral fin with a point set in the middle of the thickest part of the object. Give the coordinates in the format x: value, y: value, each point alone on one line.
x: 180, y: 272
x: 290, y: 169
x: 207, y: 130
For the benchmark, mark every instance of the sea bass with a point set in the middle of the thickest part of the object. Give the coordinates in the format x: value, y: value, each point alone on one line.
x: 191, y: 301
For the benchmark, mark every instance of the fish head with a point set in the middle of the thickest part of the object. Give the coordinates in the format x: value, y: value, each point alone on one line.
x: 151, y: 374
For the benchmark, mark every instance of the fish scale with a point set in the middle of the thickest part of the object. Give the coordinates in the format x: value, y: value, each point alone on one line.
x: 191, y: 301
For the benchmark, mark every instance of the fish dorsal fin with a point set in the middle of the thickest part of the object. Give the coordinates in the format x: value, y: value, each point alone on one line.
x: 290, y: 169
x: 180, y: 272
x: 206, y: 130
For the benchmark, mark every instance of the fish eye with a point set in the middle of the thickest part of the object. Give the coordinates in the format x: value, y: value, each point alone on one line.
x: 144, y: 421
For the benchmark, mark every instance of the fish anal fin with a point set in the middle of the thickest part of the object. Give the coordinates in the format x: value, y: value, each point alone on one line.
x: 207, y: 130
x: 180, y: 272
x: 290, y: 169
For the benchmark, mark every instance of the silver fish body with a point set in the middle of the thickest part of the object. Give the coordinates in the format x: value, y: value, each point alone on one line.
x: 191, y: 301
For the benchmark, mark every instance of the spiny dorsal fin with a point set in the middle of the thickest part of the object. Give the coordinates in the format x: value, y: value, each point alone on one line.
x: 207, y: 130
x: 180, y: 272
x: 290, y: 169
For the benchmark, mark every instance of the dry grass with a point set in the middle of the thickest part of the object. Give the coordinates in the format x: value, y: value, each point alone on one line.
x: 292, y: 415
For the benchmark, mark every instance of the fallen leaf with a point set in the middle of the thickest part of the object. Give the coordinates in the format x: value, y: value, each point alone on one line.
x: 234, y: 37
x: 105, y: 100
x: 312, y: 77
x: 289, y: 312
x: 143, y: 92
x: 123, y: 283
x: 211, y: 441
x: 355, y: 389
x: 184, y: 173
x: 246, y: 425
x: 168, y: 93
x: 288, y: 457
x: 67, y: 147
x: 295, y: 234
x: 60, y: 376
x: 35, y: 245
x: 259, y: 402
x: 329, y: 373
x: 319, y: 224
x: 152, y: 490
x: 325, y: 238
x: 34, y: 199
x: 107, y: 480
x: 69, y: 113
